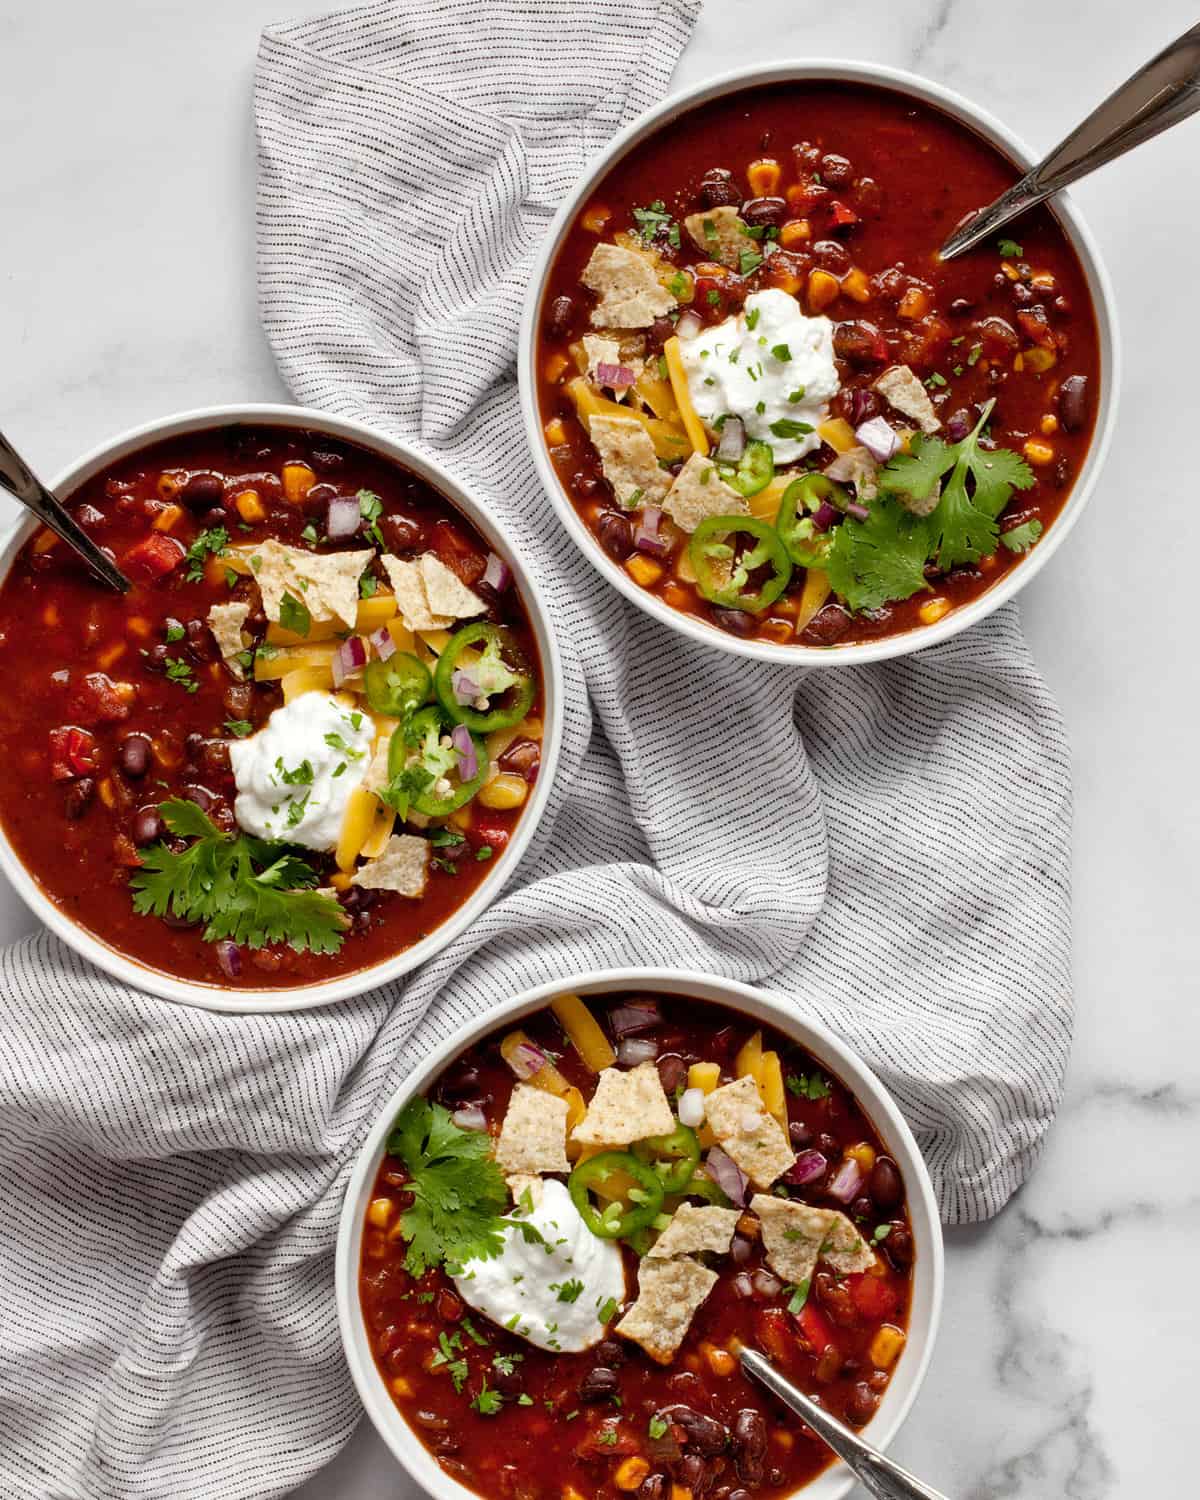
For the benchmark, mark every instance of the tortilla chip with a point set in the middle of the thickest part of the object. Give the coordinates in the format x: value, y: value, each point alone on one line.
x: 700, y: 492
x: 606, y: 351
x: 628, y: 460
x: 669, y: 1295
x: 446, y: 592
x: 326, y: 583
x: 520, y: 1183
x: 226, y: 621
x: 720, y: 233
x: 901, y: 389
x: 626, y: 1107
x: 795, y: 1236
x: 533, y: 1138
x: 631, y: 295
x: 428, y: 595
x: 402, y: 867
x: 694, y: 1229
x: 747, y: 1132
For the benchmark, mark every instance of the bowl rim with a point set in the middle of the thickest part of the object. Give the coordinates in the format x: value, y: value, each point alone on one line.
x: 765, y: 1005
x: 982, y: 122
x: 345, y: 986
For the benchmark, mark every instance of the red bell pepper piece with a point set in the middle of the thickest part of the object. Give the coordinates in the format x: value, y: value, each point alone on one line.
x: 873, y: 1296
x: 100, y: 700
x: 153, y: 558
x: 491, y: 835
x: 815, y: 1326
x: 73, y: 752
x: 841, y: 215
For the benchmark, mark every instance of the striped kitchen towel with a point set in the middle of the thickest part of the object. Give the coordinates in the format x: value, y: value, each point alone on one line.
x: 887, y: 846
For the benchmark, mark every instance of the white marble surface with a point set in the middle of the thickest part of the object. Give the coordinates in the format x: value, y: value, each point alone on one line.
x: 127, y: 289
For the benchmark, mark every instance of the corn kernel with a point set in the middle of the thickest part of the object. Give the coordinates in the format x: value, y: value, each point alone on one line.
x: 1019, y: 363
x: 885, y: 1346
x: 1049, y: 423
x: 250, y: 507
x: 630, y: 1473
x: 1040, y: 360
x: 555, y: 432
x: 556, y: 367
x: 1010, y: 270
x: 863, y: 1154
x: 168, y: 486
x: 914, y: 303
x: 704, y: 1076
x: 719, y: 1361
x: 1038, y: 452
x: 402, y: 1388
x: 763, y: 177
x: 596, y: 218
x: 297, y: 479
x: 461, y: 818
x: 642, y: 570
x: 933, y: 609
x: 569, y: 1492
x: 505, y: 792
x: 107, y: 795
x: 139, y: 625
x: 795, y: 232
x: 987, y: 564
x: 168, y: 519
x: 856, y: 284
x: 786, y: 281
x: 677, y: 595
x: 822, y: 289
x: 379, y: 1212
x: 1044, y: 281
x: 779, y: 631
x: 45, y: 540
x: 110, y: 655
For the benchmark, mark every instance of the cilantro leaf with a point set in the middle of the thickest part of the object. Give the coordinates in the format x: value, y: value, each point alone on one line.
x: 870, y: 562
x: 294, y: 616
x: 242, y: 888
x: 807, y: 1086
x: 239, y: 728
x: 488, y: 1402
x: 458, y: 1190
x: 1009, y: 249
x: 213, y: 541
x: 1021, y: 538
x: 650, y: 220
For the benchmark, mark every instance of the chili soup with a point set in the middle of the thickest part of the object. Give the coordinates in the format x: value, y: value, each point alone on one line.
x: 301, y: 741
x: 771, y: 402
x: 583, y: 1217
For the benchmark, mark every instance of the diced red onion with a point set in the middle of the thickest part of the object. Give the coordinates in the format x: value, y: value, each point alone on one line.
x: 343, y: 517
x: 856, y: 509
x: 864, y: 404
x: 879, y: 438
x: 468, y: 760
x: 349, y: 657
x: 765, y: 1284
x: 743, y: 1286
x: 497, y: 575
x: 740, y: 1249
x: 689, y: 326
x: 627, y: 1020
x: 382, y: 640
x: 727, y: 1175
x: 824, y: 516
x: 691, y: 1108
x: 733, y: 440
x: 463, y: 686
x: 469, y: 1117
x: 229, y: 956
x: 526, y: 1059
x: 646, y: 537
x: 61, y: 677
x: 615, y: 377
x: 845, y: 1183
x: 807, y: 1167
x: 634, y: 1050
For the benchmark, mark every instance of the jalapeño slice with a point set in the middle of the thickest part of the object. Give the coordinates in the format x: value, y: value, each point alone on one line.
x: 727, y: 578
x: 806, y: 546
x: 488, y: 651
x: 422, y: 735
x: 619, y: 1218
x: 673, y: 1158
x: 398, y: 685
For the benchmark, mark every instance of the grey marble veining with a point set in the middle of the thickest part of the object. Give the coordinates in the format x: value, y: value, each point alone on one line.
x: 1070, y: 1336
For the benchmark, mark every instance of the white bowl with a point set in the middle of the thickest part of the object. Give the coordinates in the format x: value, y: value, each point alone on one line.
x: 926, y: 1305
x: 983, y: 124
x: 344, y: 986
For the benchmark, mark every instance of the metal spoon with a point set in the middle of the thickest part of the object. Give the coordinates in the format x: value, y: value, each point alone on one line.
x: 20, y: 481
x: 1158, y: 96
x: 879, y: 1474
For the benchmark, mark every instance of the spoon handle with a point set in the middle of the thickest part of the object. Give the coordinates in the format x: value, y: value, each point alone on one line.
x: 20, y: 481
x: 1159, y: 95
x: 880, y: 1475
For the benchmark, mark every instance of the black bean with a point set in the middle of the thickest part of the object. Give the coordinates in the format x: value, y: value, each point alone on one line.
x: 200, y: 643
x: 79, y: 798
x: 864, y: 405
x: 653, y: 1487
x: 799, y: 1133
x: 432, y: 1421
x: 615, y: 535
x: 658, y: 333
x: 507, y: 1380
x: 736, y: 621
x: 832, y: 256
x: 826, y: 627
x: 694, y: 1474
x: 599, y: 1384
x: 717, y: 189
x: 961, y: 306
x: 462, y: 1079
x: 859, y: 342
x: 238, y: 698
x: 133, y: 755
x: 214, y: 759
x: 202, y: 492
x: 750, y: 1445
x: 885, y: 1185
x: 861, y: 1208
x: 898, y: 1247
x: 868, y: 197
x: 146, y: 828
x: 610, y: 1352
x: 860, y: 1404
x: 836, y: 170
x: 88, y: 516
x: 558, y: 316
x: 1072, y: 402
x: 705, y: 1434
x: 402, y: 533
x: 326, y: 460
x: 672, y: 1070
x: 764, y: 211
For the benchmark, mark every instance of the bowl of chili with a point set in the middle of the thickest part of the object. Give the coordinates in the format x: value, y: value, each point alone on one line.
x: 553, y: 1184
x: 763, y: 407
x: 308, y: 747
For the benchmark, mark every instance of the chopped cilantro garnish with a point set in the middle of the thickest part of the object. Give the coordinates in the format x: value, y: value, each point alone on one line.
x: 1021, y: 538
x: 335, y: 742
x: 1009, y: 249
x: 294, y: 616
x: 749, y: 262
x: 214, y: 542
x: 488, y: 1402
x: 370, y: 507
x: 714, y: 299
x: 881, y: 1233
x: 181, y: 672
x: 752, y: 317
x: 798, y: 1297
x: 608, y: 1310
x: 174, y: 632
x: 796, y: 395
x: 650, y: 220
x: 524, y: 1399
x: 657, y: 1427
x: 310, y: 535
x: 936, y: 381
x: 786, y: 427
x: 570, y: 1291
x: 782, y: 353
x: 506, y: 1364
x: 607, y: 1437
x: 807, y: 1086
x: 483, y: 852
x: 239, y: 728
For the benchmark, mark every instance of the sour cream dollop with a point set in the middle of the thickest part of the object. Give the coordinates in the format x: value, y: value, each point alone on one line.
x: 294, y: 777
x: 769, y: 364
x: 549, y: 1287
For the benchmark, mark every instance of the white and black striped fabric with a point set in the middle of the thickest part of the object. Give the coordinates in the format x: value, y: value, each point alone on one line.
x: 888, y: 847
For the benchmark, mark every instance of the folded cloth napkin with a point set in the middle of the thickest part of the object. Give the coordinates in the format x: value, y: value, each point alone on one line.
x: 887, y: 847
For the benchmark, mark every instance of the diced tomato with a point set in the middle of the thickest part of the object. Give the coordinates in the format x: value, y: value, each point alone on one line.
x: 73, y: 752
x: 775, y: 1334
x: 805, y: 196
x: 1035, y: 326
x: 709, y: 297
x: 841, y: 215
x: 490, y: 835
x: 153, y: 558
x: 609, y: 1440
x: 815, y: 1326
x: 100, y: 700
x: 125, y: 852
x: 873, y: 1296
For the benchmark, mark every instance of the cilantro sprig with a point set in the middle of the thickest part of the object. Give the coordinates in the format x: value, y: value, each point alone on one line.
x: 239, y: 887
x: 881, y: 558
